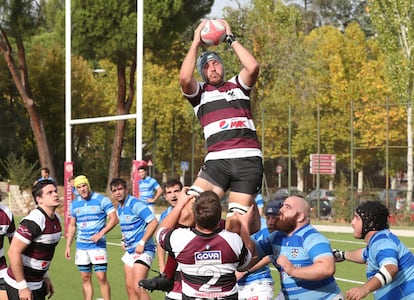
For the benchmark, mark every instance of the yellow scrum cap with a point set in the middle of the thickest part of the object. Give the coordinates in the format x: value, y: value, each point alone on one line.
x: 81, y: 179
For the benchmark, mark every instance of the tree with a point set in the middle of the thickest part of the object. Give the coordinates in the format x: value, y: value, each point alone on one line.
x: 395, y: 26
x: 337, y: 13
x: 20, y: 19
x: 107, y: 29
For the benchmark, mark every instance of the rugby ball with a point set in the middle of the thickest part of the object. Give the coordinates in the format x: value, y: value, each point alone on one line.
x: 213, y: 33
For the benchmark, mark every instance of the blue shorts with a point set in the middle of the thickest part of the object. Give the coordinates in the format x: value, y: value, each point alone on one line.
x: 242, y: 175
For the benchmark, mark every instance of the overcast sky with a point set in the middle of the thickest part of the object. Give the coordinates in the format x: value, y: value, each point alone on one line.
x: 217, y: 8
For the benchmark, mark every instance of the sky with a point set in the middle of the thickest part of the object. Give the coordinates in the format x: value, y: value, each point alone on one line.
x: 216, y: 9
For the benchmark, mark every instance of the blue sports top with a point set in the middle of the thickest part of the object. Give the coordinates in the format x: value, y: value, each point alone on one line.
x: 301, y: 248
x: 259, y: 200
x: 134, y: 217
x: 90, y: 218
x: 262, y: 274
x: 385, y: 248
x: 147, y: 187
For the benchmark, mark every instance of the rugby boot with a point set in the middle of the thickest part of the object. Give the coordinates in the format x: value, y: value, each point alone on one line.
x: 159, y: 283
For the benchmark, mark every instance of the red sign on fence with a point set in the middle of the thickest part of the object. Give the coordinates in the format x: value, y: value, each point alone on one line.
x: 323, y: 164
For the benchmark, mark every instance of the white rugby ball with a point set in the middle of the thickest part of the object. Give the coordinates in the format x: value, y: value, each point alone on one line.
x: 213, y: 33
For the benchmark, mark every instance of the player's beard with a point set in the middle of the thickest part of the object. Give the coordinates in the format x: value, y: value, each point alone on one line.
x: 287, y: 224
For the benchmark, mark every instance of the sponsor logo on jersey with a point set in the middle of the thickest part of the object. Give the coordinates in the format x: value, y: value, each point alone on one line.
x: 294, y: 252
x: 233, y: 124
x: 207, y: 257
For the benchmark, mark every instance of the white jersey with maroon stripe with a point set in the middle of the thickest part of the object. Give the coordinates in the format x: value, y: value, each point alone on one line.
x: 41, y: 234
x: 207, y: 262
x: 225, y: 114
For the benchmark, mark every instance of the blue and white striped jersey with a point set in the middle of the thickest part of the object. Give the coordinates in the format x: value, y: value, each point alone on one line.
x: 90, y: 217
x: 385, y: 248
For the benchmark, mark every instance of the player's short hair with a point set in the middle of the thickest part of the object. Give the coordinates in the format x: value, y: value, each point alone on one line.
x: 37, y: 189
x: 207, y: 210
x: 45, y: 169
x: 143, y: 167
x: 118, y: 181
x: 172, y: 182
x: 374, y: 216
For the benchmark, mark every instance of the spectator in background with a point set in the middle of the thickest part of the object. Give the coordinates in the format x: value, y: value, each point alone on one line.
x: 149, y: 189
x: 45, y: 175
x: 138, y: 224
x: 390, y: 264
x: 74, y: 190
x: 33, y: 247
x: 7, y: 228
x: 88, y: 214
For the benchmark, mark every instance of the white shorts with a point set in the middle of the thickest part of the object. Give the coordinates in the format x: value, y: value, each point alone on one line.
x: 144, y: 258
x: 257, y: 290
x: 92, y: 256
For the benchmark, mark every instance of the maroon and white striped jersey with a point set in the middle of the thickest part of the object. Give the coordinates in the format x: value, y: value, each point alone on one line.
x: 207, y: 262
x: 41, y: 234
x: 7, y: 229
x: 225, y: 114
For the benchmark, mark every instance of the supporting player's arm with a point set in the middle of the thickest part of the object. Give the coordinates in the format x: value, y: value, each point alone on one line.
x: 70, y: 236
x: 354, y: 255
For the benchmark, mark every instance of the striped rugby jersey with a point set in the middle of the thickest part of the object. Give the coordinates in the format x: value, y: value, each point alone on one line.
x: 41, y: 234
x: 385, y: 248
x: 225, y: 114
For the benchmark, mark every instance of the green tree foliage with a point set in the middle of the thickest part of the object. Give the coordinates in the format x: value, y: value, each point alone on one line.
x: 337, y: 13
x: 343, y: 206
x: 20, y: 20
x: 20, y: 171
x: 107, y: 30
x: 165, y: 105
x: 395, y: 26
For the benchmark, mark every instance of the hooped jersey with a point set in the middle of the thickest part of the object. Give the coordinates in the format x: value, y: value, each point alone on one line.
x: 42, y: 234
x: 90, y: 218
x: 134, y: 217
x: 301, y: 248
x: 207, y: 262
x: 385, y: 248
x: 225, y: 114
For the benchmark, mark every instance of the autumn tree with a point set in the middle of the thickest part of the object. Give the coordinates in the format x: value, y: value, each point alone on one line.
x: 107, y: 29
x: 395, y: 26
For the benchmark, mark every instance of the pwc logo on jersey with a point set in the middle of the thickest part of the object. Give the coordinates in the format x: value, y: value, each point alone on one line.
x: 233, y: 123
x: 207, y: 257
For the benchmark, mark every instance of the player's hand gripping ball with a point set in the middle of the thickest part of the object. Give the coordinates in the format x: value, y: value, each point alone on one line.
x: 213, y: 33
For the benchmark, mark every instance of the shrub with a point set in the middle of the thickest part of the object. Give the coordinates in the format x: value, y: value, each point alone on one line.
x: 343, y: 206
x: 20, y: 171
